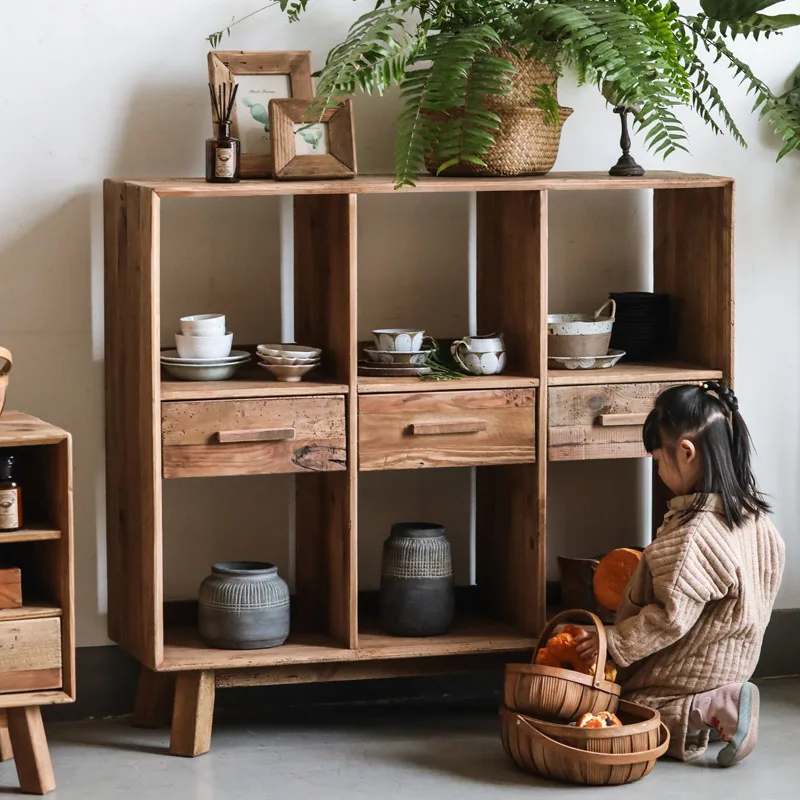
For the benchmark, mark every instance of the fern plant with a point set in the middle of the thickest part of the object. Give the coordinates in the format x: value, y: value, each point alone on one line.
x: 448, y: 56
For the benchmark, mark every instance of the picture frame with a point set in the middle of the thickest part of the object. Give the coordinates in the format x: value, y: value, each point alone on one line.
x: 261, y: 76
x: 312, y: 151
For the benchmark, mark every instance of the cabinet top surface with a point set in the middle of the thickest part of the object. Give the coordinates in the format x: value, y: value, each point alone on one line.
x: 384, y: 184
x: 17, y: 428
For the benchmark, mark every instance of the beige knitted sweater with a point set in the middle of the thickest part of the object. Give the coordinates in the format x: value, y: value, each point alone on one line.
x: 694, y: 613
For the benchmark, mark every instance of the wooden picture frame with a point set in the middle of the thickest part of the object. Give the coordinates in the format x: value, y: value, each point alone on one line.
x: 245, y: 67
x: 293, y: 141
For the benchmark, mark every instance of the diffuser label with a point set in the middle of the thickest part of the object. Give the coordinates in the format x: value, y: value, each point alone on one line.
x: 225, y: 163
x: 9, y: 509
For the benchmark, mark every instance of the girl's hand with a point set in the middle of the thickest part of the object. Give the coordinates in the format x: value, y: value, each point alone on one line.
x: 588, y: 646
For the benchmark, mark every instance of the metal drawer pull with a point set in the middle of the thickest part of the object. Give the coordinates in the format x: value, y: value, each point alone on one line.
x: 437, y: 428
x: 612, y: 420
x: 263, y: 435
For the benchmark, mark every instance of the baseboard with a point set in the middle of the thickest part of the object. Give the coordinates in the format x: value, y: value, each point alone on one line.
x: 107, y: 683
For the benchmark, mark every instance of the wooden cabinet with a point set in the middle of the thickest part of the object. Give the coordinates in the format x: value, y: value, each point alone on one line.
x: 330, y: 429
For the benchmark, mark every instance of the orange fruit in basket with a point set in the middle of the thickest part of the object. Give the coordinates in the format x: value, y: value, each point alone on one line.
x: 560, y: 651
x: 612, y: 575
x: 605, y: 719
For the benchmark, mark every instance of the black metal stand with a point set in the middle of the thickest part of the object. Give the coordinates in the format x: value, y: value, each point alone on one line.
x: 626, y: 167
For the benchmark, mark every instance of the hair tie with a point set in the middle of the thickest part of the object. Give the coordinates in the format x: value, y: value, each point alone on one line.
x: 723, y: 393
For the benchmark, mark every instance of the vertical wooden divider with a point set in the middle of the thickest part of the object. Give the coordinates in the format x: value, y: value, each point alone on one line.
x: 511, y: 510
x: 326, y: 507
x: 133, y: 420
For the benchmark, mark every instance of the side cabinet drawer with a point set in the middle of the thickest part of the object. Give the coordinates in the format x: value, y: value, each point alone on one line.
x: 603, y: 421
x: 30, y: 655
x: 253, y: 437
x: 446, y: 429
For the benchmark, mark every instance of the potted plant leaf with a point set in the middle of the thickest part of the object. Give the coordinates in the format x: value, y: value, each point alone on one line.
x: 476, y: 76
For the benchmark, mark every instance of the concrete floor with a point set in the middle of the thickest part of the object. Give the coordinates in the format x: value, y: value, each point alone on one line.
x: 384, y: 753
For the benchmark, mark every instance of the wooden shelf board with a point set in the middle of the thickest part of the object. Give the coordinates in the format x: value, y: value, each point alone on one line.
x: 30, y: 611
x: 43, y: 698
x: 369, y: 385
x: 17, y: 429
x: 631, y: 373
x: 33, y: 533
x: 384, y: 184
x: 245, y: 389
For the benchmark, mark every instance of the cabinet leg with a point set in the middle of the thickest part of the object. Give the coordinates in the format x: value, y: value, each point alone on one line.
x: 34, y: 769
x: 6, y: 751
x: 192, y: 714
x: 154, y: 699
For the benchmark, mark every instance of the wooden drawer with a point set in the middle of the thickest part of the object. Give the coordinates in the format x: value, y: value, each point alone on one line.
x: 253, y: 437
x: 30, y: 655
x: 446, y: 429
x: 604, y: 421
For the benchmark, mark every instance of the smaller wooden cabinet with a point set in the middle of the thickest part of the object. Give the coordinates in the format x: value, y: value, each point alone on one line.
x: 447, y: 429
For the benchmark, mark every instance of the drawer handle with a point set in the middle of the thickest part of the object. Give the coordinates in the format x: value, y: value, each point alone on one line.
x: 263, y: 435
x: 438, y: 428
x: 613, y: 420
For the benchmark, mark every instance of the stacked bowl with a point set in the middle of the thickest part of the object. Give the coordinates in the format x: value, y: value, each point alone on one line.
x: 288, y: 363
x: 581, y: 341
x: 203, y: 350
x: 396, y: 352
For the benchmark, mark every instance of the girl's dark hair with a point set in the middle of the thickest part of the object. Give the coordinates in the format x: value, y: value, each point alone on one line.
x: 708, y: 416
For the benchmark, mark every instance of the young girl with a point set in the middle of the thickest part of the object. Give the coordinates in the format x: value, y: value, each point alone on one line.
x: 692, y: 620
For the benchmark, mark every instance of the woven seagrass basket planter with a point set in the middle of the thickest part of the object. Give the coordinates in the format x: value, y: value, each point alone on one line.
x: 562, y: 695
x: 589, y: 756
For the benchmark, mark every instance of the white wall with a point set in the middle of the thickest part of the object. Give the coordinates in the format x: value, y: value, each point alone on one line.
x: 118, y: 90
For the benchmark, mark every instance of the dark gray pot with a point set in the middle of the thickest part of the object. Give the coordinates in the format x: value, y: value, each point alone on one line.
x: 417, y: 596
x: 244, y: 605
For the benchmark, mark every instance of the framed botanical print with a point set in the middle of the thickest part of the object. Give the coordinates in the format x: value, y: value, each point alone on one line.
x: 312, y: 150
x: 261, y: 77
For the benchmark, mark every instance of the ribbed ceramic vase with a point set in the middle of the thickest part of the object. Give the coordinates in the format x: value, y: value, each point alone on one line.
x: 417, y: 597
x: 244, y: 605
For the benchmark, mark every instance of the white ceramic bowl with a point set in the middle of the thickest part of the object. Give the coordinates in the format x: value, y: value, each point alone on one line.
x: 202, y: 372
x: 287, y: 374
x: 203, y: 325
x: 400, y: 340
x: 289, y: 350
x: 415, y: 358
x: 236, y: 357
x: 208, y: 347
x: 280, y: 361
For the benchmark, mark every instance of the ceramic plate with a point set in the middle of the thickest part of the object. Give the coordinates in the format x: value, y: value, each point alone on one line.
x: 289, y: 350
x: 203, y: 372
x: 172, y: 357
x: 596, y: 362
x: 280, y: 361
x: 417, y: 358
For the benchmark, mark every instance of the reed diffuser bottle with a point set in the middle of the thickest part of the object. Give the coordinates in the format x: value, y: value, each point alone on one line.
x: 223, y: 152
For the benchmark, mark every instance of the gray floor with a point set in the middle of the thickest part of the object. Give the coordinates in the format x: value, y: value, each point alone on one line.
x: 382, y: 753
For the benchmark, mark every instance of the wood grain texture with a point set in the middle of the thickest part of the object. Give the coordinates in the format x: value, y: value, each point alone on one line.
x: 444, y: 427
x: 192, y: 446
x: 632, y: 373
x: 30, y: 611
x: 155, y: 698
x: 10, y: 588
x: 245, y: 389
x: 30, y: 534
x: 6, y: 750
x: 576, y: 432
x: 370, y: 385
x: 263, y: 435
x: 193, y: 714
x: 385, y: 421
x: 224, y: 66
x: 32, y: 756
x: 30, y: 654
x: 133, y: 420
x: 617, y: 420
x: 18, y: 429
x: 693, y: 262
x: 385, y: 184
x: 327, y: 503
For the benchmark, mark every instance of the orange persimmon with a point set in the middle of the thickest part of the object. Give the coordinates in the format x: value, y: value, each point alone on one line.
x: 612, y: 576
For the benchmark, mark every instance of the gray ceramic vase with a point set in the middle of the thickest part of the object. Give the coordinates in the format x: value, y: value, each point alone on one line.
x: 244, y: 605
x: 417, y: 596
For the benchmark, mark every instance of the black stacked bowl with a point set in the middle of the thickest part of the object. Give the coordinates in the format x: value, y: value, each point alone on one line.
x: 641, y: 327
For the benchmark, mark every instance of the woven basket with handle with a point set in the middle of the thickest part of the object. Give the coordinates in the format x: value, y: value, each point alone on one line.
x: 593, y: 756
x: 564, y: 695
x: 5, y: 368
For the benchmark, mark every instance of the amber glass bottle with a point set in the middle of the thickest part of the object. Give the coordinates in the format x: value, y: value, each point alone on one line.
x: 223, y: 156
x: 10, y: 495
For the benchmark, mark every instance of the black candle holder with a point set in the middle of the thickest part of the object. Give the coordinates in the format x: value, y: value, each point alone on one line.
x: 626, y: 167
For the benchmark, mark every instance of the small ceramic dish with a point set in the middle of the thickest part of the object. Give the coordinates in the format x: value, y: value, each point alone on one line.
x: 204, y: 346
x: 203, y: 325
x: 281, y: 361
x: 288, y: 374
x: 289, y: 350
x: 202, y: 372
x: 236, y: 357
x: 398, y: 340
x: 586, y: 362
x: 418, y: 357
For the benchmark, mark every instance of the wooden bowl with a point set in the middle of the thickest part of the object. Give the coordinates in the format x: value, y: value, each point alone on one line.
x: 562, y: 695
x: 590, y: 756
x: 5, y: 368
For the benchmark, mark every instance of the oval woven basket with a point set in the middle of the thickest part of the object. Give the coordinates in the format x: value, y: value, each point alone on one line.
x: 529, y: 75
x: 5, y: 368
x: 589, y: 756
x: 526, y: 144
x: 563, y: 695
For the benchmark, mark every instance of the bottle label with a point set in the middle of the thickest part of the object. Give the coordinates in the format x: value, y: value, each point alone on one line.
x: 225, y: 165
x: 9, y: 509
